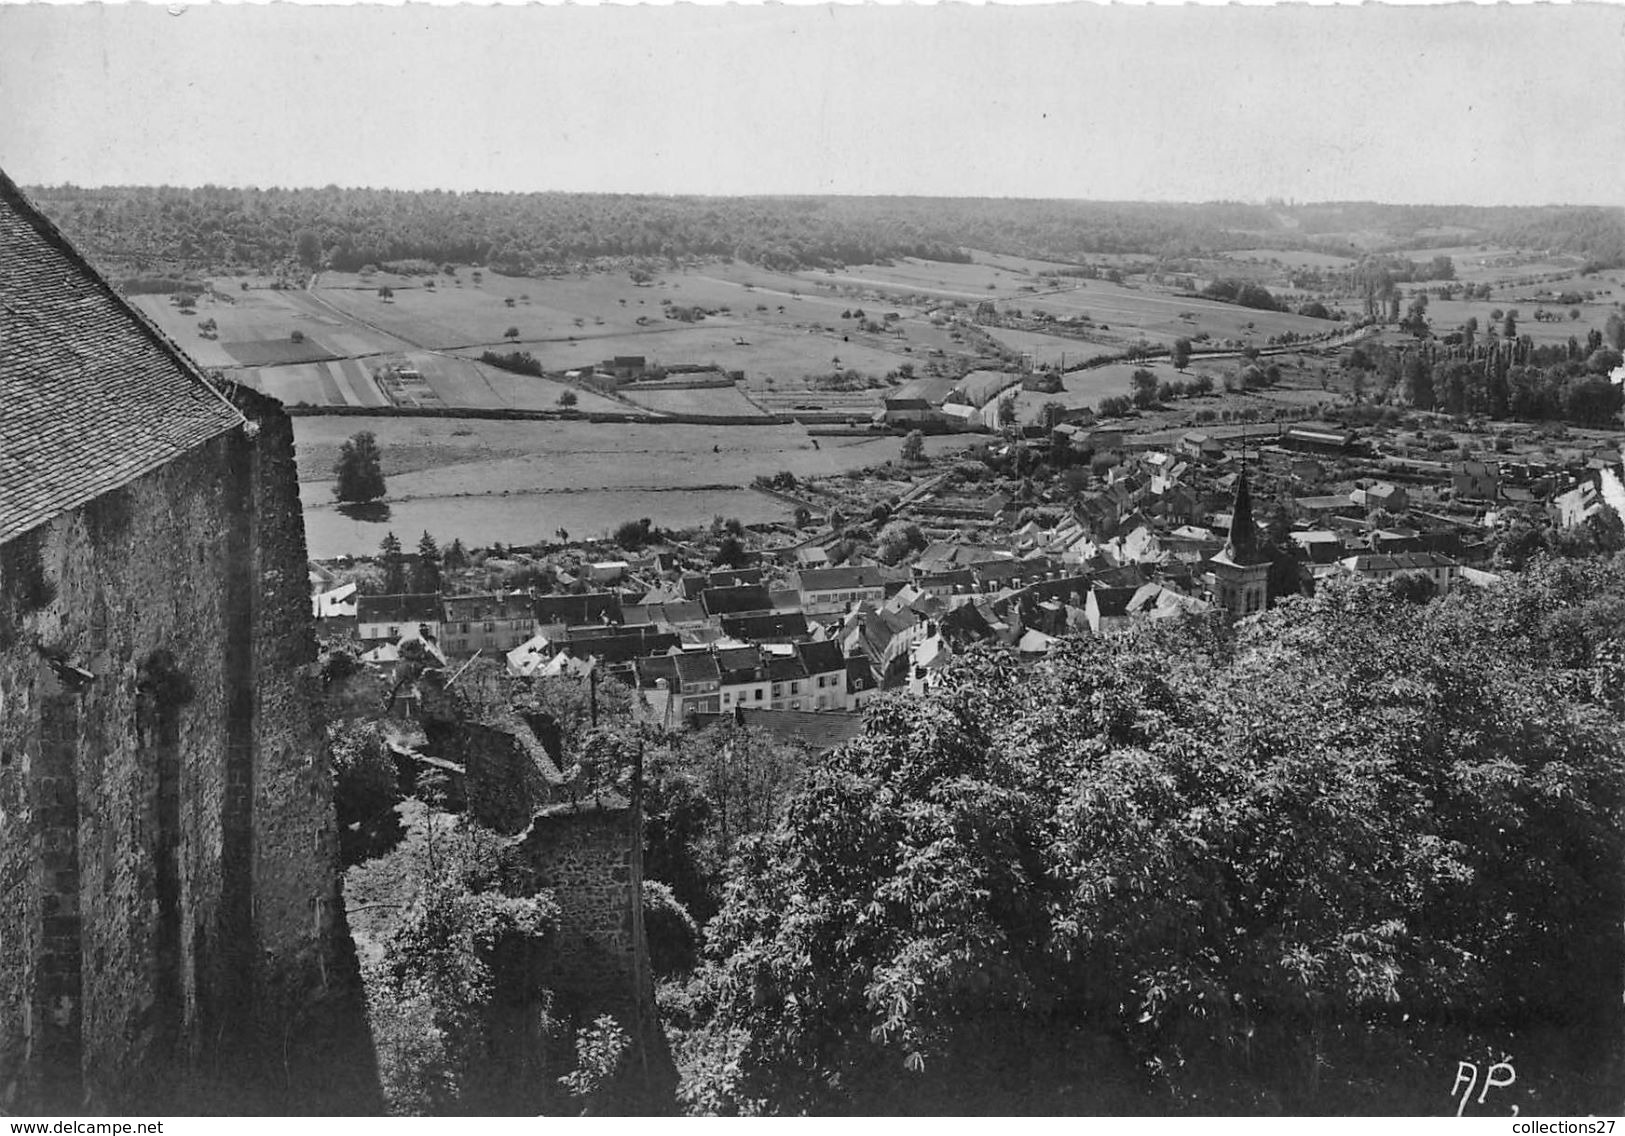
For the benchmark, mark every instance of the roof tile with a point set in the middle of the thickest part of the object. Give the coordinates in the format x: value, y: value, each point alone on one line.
x: 92, y: 396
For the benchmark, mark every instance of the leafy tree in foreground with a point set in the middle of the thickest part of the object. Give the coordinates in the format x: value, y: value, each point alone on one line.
x: 1302, y: 871
x: 449, y: 999
x: 359, y: 471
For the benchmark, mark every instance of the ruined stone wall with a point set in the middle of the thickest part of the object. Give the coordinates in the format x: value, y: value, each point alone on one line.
x: 590, y: 858
x: 170, y: 933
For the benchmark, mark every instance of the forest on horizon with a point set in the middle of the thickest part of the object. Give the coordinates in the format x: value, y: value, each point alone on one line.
x: 215, y: 229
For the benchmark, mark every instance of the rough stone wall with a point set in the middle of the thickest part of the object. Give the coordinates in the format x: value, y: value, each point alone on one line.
x: 591, y: 859
x: 503, y: 785
x: 170, y: 933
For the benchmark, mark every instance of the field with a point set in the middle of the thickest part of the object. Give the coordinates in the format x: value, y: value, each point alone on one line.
x: 1087, y: 388
x: 1290, y: 258
x: 695, y: 400
x: 1161, y: 316
x: 986, y: 277
x: 341, y: 382
x: 1446, y: 316
x: 256, y: 327
x: 779, y: 329
x: 517, y: 482
x: 1051, y: 349
x: 1478, y: 264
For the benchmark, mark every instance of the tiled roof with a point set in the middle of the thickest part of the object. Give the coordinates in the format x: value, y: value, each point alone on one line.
x: 617, y: 644
x: 753, y: 628
x: 1399, y: 562
x: 822, y: 657
x: 574, y: 610
x: 422, y: 607
x: 784, y: 668
x: 737, y: 600
x: 839, y: 579
x: 697, y: 669
x: 740, y: 664
x: 488, y: 605
x: 92, y: 396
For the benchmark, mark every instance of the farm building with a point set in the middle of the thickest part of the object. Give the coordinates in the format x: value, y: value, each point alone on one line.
x: 625, y: 366
x: 916, y: 402
x: 1320, y: 439
x: 978, y: 388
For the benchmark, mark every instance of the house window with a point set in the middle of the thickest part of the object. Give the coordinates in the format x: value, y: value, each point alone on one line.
x: 393, y: 631
x: 758, y: 694
x: 778, y: 689
x: 726, y: 697
x: 795, y: 688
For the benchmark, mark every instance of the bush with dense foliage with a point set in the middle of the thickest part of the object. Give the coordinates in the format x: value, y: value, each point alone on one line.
x: 1306, y: 866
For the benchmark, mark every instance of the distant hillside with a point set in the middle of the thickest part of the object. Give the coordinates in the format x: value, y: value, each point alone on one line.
x: 217, y: 229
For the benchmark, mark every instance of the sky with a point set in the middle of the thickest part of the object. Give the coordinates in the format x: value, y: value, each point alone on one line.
x: 1453, y: 104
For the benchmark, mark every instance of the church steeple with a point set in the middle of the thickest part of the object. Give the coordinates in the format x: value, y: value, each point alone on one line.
x: 1242, y: 546
x: 1239, y: 579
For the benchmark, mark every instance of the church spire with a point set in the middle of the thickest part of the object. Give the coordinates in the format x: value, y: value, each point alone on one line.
x: 1242, y: 546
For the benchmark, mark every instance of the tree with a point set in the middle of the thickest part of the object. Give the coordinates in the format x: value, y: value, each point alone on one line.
x: 567, y: 399
x: 1145, y: 388
x: 456, y: 556
x: 1007, y: 410
x: 511, y: 333
x: 365, y: 790
x: 393, y: 562
x: 730, y: 553
x: 1209, y: 850
x: 460, y: 961
x: 307, y: 247
x: 1180, y: 355
x: 426, y: 573
x: 897, y: 540
x: 359, y: 470
x: 633, y: 535
x: 913, y: 450
x: 1613, y: 330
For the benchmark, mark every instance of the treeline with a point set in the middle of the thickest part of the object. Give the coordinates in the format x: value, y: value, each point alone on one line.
x: 215, y: 228
x: 1244, y: 294
x: 1502, y: 378
x: 1590, y: 231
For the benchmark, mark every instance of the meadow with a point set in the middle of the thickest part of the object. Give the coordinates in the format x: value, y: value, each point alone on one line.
x: 1087, y: 388
x: 518, y: 481
x: 695, y: 400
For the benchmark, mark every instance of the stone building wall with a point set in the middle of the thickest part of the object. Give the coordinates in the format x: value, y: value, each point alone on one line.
x: 171, y: 938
